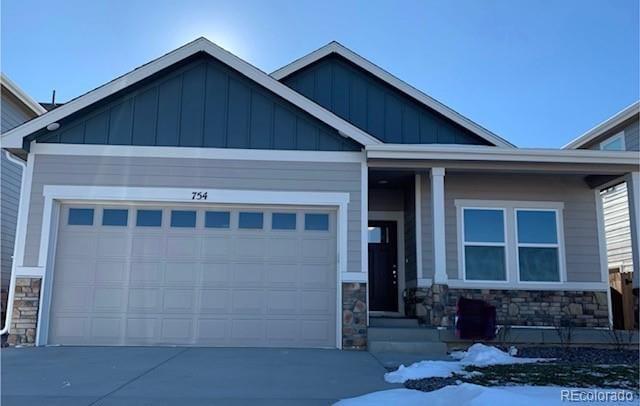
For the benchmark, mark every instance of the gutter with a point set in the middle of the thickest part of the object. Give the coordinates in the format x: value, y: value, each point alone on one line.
x: 12, y: 282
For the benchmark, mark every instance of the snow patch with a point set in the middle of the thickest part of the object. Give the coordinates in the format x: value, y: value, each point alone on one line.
x: 466, y: 395
x: 477, y: 355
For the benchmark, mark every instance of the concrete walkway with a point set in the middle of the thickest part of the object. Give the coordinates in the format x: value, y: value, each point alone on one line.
x: 185, y: 376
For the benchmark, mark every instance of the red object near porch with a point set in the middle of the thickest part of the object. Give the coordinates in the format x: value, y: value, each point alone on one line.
x: 476, y: 320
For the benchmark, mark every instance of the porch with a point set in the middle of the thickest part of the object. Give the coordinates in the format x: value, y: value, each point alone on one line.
x: 521, y: 230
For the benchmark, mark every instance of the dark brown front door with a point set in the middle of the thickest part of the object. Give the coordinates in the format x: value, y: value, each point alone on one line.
x: 383, y: 266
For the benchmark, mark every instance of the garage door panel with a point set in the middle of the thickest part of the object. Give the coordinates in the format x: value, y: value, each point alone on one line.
x: 216, y: 274
x: 145, y: 300
x: 212, y: 331
x: 108, y: 329
x: 109, y: 299
x: 225, y: 286
x: 247, y: 247
x: 282, y: 302
x: 113, y: 246
x: 77, y: 245
x: 110, y: 272
x: 215, y: 301
x: 282, y: 275
x: 182, y: 247
x: 178, y: 301
x: 177, y: 330
x: 216, y: 247
x: 144, y: 273
x: 77, y: 271
x: 148, y: 246
x: 248, y: 275
x: 247, y: 301
x: 247, y: 331
x: 142, y: 329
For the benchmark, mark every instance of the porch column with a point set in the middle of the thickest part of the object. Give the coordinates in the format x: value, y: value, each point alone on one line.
x: 633, y: 193
x: 437, y: 205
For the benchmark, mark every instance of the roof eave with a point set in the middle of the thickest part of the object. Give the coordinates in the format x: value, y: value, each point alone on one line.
x: 608, y: 124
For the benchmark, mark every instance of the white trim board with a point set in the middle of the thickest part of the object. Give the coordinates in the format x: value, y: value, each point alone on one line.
x: 196, y: 153
x: 21, y: 95
x: 13, y: 138
x: 54, y: 195
x: 376, y: 71
x: 493, y: 154
x: 608, y: 124
x: 619, y: 136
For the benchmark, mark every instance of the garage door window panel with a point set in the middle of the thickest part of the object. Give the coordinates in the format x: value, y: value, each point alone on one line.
x: 250, y: 220
x: 217, y: 219
x: 183, y: 218
x: 115, y: 217
x: 149, y: 218
x: 316, y: 221
x: 80, y: 217
x: 283, y: 221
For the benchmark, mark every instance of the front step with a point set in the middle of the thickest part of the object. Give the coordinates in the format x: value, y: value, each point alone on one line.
x: 392, y: 322
x: 427, y: 349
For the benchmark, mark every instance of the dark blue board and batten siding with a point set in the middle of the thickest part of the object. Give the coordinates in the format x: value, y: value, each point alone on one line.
x: 202, y: 103
x: 373, y: 105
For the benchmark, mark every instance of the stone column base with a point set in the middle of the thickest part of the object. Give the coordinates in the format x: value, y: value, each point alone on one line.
x: 26, y: 301
x: 354, y: 316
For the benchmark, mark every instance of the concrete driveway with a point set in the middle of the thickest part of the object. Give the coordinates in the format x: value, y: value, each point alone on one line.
x: 187, y: 376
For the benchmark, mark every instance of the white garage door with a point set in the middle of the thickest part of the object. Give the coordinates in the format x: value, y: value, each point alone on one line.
x: 210, y: 276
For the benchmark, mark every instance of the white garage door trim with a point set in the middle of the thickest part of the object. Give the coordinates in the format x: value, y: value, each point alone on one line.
x: 55, y: 195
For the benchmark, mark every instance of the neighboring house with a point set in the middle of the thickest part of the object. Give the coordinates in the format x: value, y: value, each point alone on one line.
x: 16, y: 108
x: 199, y: 201
x: 618, y: 133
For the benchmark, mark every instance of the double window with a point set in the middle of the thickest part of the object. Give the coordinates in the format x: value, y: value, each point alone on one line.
x: 510, y: 243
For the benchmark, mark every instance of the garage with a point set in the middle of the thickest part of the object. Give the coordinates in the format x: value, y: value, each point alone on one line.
x: 142, y: 274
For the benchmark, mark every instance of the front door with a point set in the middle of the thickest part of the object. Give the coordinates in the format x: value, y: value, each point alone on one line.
x: 383, y: 266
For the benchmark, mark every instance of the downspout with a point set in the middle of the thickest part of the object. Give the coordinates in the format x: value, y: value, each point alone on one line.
x: 12, y: 282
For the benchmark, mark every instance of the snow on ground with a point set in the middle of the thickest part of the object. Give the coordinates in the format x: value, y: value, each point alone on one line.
x: 468, y: 394
x: 477, y: 354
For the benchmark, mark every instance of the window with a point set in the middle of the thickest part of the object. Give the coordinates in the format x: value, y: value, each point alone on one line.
x: 250, y: 220
x: 149, y: 218
x: 316, y: 221
x: 216, y: 219
x: 283, y: 221
x: 484, y: 244
x: 115, y: 217
x: 615, y: 143
x: 183, y: 218
x: 538, y: 247
x: 80, y: 217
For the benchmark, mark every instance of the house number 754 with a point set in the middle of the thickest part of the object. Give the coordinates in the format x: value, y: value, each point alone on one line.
x: 198, y: 195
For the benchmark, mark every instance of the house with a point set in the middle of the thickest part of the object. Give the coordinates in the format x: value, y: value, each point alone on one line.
x: 16, y: 108
x: 199, y: 201
x: 619, y: 133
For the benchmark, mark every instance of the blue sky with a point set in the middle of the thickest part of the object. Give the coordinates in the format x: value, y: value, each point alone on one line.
x: 536, y: 72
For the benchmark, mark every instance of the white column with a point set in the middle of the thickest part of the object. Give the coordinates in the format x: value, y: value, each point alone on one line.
x: 418, y: 220
x: 633, y: 193
x: 437, y: 205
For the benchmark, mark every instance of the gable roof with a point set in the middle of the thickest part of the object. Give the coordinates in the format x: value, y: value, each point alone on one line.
x: 20, y: 94
x: 337, y: 48
x: 608, y: 124
x: 14, y: 138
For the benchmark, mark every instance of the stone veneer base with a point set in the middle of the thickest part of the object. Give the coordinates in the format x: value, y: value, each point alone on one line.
x: 436, y: 306
x: 354, y: 316
x: 25, y: 311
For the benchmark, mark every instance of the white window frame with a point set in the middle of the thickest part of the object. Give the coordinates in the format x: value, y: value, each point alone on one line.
x: 509, y: 208
x: 618, y: 136
x: 484, y: 244
x: 558, y: 245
